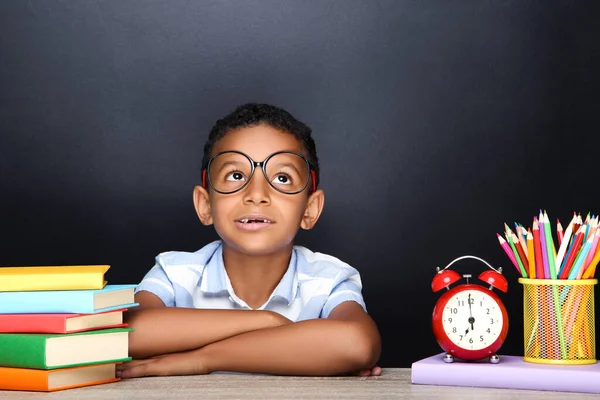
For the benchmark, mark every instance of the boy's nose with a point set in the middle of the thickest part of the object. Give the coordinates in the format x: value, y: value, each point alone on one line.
x: 258, y: 189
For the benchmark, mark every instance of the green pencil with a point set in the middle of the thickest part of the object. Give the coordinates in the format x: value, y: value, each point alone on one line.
x: 512, y: 246
x: 549, y: 247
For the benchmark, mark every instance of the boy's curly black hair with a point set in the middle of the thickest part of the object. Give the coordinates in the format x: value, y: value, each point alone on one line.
x: 252, y: 114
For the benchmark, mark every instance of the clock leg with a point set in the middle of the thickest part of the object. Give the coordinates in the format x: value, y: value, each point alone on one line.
x: 448, y: 358
x: 494, y: 359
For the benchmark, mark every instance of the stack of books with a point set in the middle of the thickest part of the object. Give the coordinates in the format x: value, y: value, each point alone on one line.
x: 61, y: 327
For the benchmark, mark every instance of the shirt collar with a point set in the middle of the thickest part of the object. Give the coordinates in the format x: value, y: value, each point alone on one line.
x: 214, y: 278
x: 288, y: 285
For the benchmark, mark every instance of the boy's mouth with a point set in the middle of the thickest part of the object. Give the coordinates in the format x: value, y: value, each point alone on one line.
x: 253, y: 223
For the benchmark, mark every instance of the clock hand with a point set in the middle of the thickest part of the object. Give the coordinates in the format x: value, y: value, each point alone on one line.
x: 471, y: 319
x: 469, y: 301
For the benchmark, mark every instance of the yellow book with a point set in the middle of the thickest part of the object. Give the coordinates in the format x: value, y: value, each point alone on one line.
x: 70, y: 277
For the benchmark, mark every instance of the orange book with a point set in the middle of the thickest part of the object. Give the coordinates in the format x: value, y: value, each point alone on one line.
x: 59, y: 379
x: 70, y: 277
x: 60, y: 323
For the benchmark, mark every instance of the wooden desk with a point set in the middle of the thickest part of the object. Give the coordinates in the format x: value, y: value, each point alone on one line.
x: 393, y: 384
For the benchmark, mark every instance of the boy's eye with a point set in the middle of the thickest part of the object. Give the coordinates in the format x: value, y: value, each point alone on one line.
x: 282, y: 179
x: 235, y: 176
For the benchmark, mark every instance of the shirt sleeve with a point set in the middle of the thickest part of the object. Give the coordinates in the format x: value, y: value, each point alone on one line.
x: 348, y: 288
x: 158, y: 283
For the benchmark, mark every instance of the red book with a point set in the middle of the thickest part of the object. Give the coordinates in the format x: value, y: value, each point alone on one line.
x: 60, y: 323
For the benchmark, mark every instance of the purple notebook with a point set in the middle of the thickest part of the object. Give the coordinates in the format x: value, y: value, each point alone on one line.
x: 511, y: 373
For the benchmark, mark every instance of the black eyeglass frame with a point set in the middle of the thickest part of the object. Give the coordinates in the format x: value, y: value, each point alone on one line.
x: 312, y: 175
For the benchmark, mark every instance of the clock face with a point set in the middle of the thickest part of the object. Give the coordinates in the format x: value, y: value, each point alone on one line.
x: 472, y: 319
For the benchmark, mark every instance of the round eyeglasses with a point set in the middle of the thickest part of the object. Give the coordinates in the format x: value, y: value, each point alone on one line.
x: 286, y: 171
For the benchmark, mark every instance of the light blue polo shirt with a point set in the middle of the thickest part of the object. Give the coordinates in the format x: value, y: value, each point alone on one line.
x: 313, y: 285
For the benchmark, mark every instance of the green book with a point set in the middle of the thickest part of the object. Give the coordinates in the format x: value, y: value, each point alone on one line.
x: 52, y: 351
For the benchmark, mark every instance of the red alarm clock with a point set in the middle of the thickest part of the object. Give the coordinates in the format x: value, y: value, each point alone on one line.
x: 469, y: 320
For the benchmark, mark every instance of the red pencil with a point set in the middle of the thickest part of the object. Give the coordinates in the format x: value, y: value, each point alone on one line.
x: 577, y: 224
x: 573, y: 254
x: 559, y: 231
x: 539, y: 261
x: 519, y: 248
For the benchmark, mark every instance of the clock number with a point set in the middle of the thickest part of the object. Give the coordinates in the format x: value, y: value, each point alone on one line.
x: 471, y: 300
x: 481, y: 338
x: 471, y: 340
x: 454, y: 330
x: 460, y: 337
x: 488, y: 330
x: 487, y: 311
x: 491, y: 321
x: 481, y: 303
x: 461, y: 303
x: 450, y: 320
x: 454, y: 311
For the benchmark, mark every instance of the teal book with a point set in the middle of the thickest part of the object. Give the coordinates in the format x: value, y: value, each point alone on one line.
x: 52, y: 351
x: 111, y: 297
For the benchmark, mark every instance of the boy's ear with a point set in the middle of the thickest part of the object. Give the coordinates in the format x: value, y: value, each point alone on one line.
x: 314, y: 207
x: 202, y: 205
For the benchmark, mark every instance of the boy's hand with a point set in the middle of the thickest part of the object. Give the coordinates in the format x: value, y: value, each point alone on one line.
x: 185, y: 363
x: 375, y: 371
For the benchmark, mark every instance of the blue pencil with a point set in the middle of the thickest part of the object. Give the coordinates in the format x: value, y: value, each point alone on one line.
x: 564, y: 260
x: 580, y: 259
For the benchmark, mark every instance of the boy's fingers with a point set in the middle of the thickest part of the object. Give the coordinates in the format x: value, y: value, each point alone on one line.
x: 136, y: 371
x: 375, y: 371
x: 125, y: 370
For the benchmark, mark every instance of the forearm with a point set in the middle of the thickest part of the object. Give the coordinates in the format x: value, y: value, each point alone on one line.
x: 168, y: 330
x: 314, y: 347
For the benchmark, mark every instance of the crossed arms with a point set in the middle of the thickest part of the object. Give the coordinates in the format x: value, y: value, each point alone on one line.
x: 181, y: 341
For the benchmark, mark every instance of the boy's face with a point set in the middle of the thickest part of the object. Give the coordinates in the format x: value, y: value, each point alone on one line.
x: 258, y: 200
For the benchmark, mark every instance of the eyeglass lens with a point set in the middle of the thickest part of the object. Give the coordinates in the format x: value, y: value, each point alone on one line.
x: 286, y: 172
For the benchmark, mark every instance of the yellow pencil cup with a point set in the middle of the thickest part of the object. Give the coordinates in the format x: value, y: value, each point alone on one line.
x: 559, y: 321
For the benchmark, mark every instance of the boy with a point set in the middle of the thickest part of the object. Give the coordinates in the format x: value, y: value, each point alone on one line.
x: 252, y: 301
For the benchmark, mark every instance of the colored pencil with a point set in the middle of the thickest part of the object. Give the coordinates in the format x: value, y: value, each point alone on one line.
x: 576, y: 271
x: 531, y: 254
x: 565, y: 243
x: 544, y: 244
x: 522, y: 253
x: 592, y: 267
x: 550, y: 247
x: 517, y: 257
x: 573, y: 253
x: 559, y: 232
x: 592, y: 253
x: 587, y: 229
x: 539, y: 262
x: 508, y: 251
x: 523, y: 242
x: 578, y: 223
